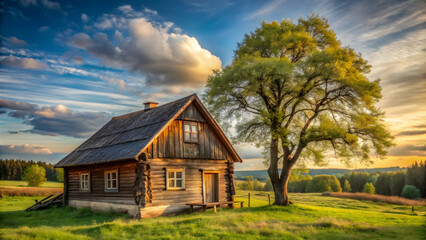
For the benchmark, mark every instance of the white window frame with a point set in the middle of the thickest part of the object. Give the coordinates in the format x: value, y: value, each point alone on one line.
x: 174, y: 178
x: 107, y: 174
x: 190, y: 124
x: 83, y: 187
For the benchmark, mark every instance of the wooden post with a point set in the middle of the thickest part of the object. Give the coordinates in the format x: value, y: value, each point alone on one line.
x: 269, y: 199
x: 412, y: 209
x: 242, y: 204
x: 191, y: 208
x: 214, y: 208
x: 248, y: 199
x: 65, y: 199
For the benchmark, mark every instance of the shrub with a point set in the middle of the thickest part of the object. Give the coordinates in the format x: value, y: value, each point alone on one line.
x: 346, y: 186
x: 35, y: 175
x: 60, y: 175
x: 257, y: 186
x: 397, y: 183
x: 411, y: 192
x: 322, y: 183
x: 268, y: 186
x: 369, y: 188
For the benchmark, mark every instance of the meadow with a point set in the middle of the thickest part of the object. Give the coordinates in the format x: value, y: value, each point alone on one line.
x: 313, y: 216
x: 20, y: 188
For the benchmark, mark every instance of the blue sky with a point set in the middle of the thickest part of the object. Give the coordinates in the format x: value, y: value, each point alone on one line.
x: 67, y: 67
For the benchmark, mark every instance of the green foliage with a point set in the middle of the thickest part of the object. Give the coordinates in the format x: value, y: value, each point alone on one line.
x: 369, y: 188
x: 246, y: 185
x: 397, y: 183
x: 11, y: 169
x: 372, y: 178
x: 257, y: 186
x: 268, y: 186
x: 323, y: 183
x: 357, y: 180
x: 416, y: 176
x: 411, y: 192
x: 60, y: 175
x: 35, y: 175
x: 294, y: 87
x: 383, y: 184
x: 346, y: 186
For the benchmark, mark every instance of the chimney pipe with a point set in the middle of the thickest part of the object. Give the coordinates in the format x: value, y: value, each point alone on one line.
x: 149, y: 105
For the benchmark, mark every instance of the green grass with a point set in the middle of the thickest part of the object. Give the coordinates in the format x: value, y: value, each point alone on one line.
x: 311, y: 217
x: 13, y: 183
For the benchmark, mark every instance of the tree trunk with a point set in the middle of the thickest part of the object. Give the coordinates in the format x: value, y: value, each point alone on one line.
x: 279, y: 183
x: 280, y: 189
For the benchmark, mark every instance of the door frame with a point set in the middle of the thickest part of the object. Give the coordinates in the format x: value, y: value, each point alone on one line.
x: 218, y: 183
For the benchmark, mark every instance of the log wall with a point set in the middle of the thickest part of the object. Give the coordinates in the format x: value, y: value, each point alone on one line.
x: 126, y: 181
x: 193, y: 181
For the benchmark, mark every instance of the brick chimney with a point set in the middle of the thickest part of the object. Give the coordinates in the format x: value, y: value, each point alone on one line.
x: 149, y: 105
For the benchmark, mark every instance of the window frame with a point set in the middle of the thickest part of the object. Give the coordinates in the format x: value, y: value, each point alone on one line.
x: 191, y: 123
x: 88, y: 189
x: 106, y: 174
x: 175, y: 170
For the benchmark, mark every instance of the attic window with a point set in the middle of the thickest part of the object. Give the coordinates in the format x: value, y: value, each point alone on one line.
x: 190, y: 132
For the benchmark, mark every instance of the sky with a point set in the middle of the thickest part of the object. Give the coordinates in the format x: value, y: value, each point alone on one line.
x: 67, y: 67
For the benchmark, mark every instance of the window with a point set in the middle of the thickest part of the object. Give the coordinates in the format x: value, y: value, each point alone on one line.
x: 111, y: 181
x: 175, y: 179
x: 190, y: 132
x: 85, y: 181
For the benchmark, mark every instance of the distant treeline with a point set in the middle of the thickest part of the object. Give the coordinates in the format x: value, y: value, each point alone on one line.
x: 11, y: 169
x: 262, y: 175
x: 384, y: 183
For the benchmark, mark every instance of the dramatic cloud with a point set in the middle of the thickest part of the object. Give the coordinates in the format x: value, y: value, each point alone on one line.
x: 408, y: 150
x: 159, y: 51
x: 411, y: 133
x: 165, y: 58
x: 27, y: 63
x: 26, y: 148
x: 54, y: 121
x: 14, y: 41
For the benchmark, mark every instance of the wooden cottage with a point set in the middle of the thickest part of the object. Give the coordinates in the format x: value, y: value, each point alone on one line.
x: 152, y: 162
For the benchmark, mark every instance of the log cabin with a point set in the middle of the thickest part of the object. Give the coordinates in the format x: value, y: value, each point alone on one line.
x: 152, y: 162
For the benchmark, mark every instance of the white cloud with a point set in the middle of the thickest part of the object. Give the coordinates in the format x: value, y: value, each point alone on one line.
x: 43, y: 29
x: 51, y: 5
x: 84, y: 17
x: 266, y: 9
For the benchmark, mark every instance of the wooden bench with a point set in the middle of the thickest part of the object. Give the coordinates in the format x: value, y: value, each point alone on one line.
x: 213, y: 204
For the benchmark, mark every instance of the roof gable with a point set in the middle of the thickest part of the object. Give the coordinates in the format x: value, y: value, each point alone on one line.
x: 127, y: 136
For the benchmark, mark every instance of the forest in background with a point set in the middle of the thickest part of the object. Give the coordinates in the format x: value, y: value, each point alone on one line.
x: 11, y: 169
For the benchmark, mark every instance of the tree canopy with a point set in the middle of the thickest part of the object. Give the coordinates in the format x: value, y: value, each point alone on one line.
x: 293, y: 86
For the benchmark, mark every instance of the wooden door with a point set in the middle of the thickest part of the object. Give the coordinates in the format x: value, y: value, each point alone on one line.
x: 211, y: 187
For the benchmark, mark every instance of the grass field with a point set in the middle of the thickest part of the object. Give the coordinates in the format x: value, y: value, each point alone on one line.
x: 12, y: 184
x: 311, y: 217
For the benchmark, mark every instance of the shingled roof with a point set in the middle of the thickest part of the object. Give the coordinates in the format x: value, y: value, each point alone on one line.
x: 126, y: 137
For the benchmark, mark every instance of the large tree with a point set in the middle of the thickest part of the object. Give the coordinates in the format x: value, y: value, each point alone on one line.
x: 294, y: 87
